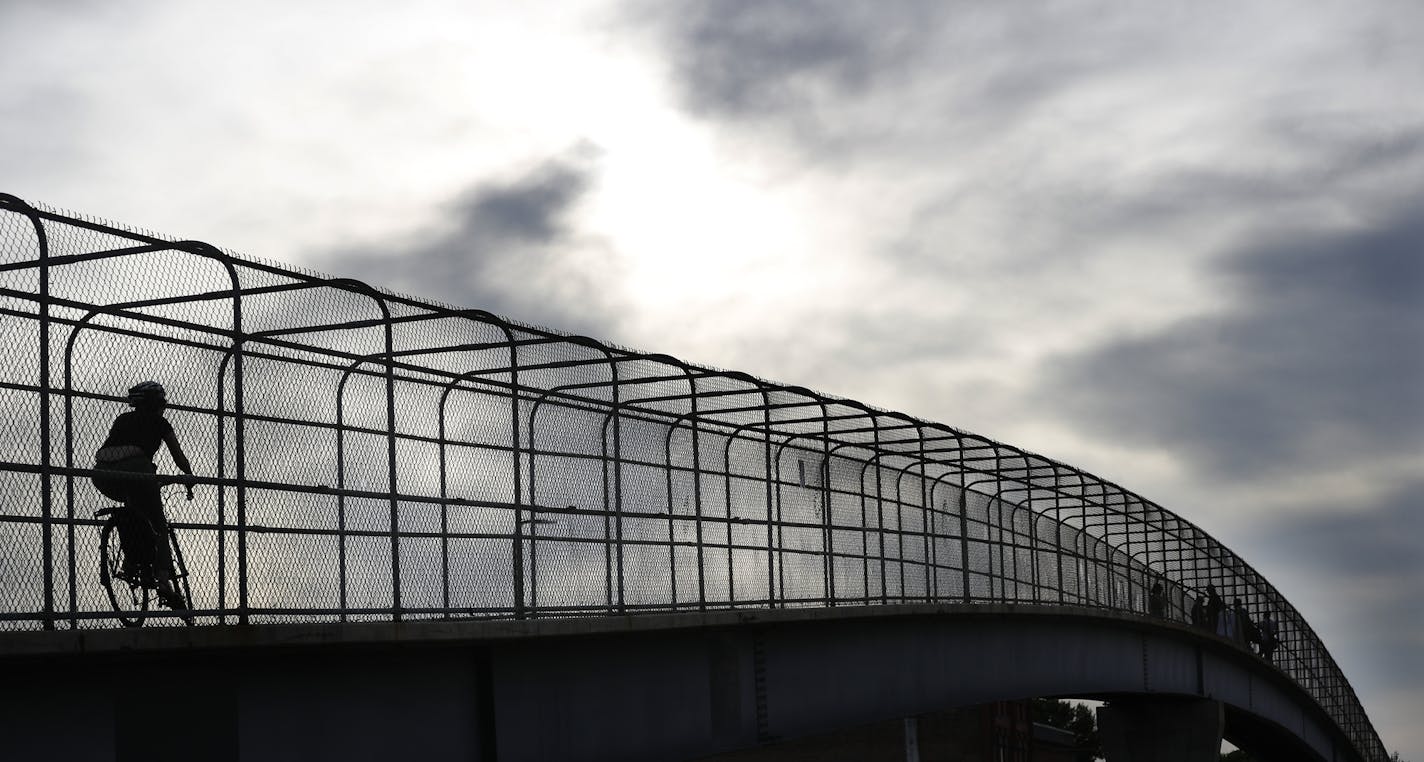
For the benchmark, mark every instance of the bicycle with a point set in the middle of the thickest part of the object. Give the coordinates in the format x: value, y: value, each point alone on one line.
x: 132, y: 585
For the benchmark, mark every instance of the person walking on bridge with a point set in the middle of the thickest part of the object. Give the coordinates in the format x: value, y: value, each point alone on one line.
x: 1214, y: 608
x: 1157, y: 601
x: 1269, y: 637
x: 1198, y: 614
x: 1246, y: 632
x: 1226, y: 624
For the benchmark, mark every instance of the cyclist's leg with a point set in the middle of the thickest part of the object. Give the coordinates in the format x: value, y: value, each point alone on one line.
x: 135, y: 544
x: 135, y: 536
x: 146, y: 506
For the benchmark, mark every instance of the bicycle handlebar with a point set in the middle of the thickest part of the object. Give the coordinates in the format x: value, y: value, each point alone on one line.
x: 168, y: 481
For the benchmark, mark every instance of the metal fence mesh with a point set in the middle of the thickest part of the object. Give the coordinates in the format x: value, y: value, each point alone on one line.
x: 368, y: 456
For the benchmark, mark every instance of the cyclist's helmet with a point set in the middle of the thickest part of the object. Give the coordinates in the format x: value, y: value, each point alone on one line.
x: 148, y: 391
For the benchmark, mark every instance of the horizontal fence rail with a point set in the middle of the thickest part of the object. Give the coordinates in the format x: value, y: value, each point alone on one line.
x: 363, y: 455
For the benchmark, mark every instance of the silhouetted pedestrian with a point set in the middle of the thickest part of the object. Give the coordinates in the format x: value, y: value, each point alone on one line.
x: 1156, y: 601
x: 1199, y: 613
x: 1269, y: 637
x: 1214, y: 608
x: 1246, y: 631
x: 1226, y: 623
x: 1243, y: 624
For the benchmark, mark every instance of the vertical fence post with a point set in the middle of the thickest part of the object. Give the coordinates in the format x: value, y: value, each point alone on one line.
x: 768, y: 470
x: 697, y: 492
x: 828, y: 542
x: 608, y: 493
x: 864, y: 539
x: 343, y: 581
x: 927, y: 519
x: 221, y: 461
x: 965, y: 486
x: 518, y: 550
x: 391, y: 477
x: 964, y: 534
x: 938, y: 480
x: 342, y: 594
x: 879, y: 497
x: 238, y: 437
x: 239, y: 410
x: 442, y: 437
x: 46, y: 457
x: 69, y: 462
x: 670, y: 485
x: 618, y: 501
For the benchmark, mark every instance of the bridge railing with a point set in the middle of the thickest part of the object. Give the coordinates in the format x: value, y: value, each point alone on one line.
x: 368, y: 456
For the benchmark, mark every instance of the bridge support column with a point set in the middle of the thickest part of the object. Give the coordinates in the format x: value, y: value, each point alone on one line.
x: 1161, y: 730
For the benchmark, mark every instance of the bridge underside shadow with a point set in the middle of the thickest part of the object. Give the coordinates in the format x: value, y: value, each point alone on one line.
x: 624, y: 688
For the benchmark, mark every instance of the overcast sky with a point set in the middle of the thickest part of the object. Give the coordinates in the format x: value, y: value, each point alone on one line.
x: 1180, y: 245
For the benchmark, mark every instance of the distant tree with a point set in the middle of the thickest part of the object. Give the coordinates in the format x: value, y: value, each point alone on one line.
x: 1084, y: 726
x: 1052, y: 712
x: 1077, y: 719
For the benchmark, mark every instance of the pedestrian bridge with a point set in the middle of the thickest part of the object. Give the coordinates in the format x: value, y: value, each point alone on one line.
x: 652, y: 687
x: 379, y: 471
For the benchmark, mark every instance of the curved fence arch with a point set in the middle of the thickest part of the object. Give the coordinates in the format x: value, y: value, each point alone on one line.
x: 370, y: 456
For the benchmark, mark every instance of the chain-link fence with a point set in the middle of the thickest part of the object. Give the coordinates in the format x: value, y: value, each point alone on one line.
x: 368, y: 456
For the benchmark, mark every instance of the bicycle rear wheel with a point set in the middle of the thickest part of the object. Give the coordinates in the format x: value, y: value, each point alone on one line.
x: 130, y: 600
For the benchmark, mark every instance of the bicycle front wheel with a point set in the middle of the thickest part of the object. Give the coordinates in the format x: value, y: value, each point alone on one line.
x: 180, y: 575
x: 129, y: 599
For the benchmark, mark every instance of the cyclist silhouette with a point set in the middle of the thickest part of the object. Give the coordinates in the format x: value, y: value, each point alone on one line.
x: 132, y: 443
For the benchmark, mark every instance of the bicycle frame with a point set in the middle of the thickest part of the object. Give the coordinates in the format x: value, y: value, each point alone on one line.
x: 142, y: 583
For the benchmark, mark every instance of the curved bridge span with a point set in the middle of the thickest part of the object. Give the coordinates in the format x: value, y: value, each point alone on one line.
x: 653, y: 687
x: 370, y: 457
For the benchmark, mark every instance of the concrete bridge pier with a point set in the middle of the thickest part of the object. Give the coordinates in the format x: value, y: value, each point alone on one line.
x: 1161, y: 729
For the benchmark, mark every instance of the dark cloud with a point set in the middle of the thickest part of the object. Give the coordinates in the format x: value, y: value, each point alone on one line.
x: 1374, y: 554
x: 1332, y: 161
x: 840, y: 78
x: 944, y: 84
x: 508, y: 247
x: 1382, y: 541
x: 843, y: 80
x: 752, y: 58
x: 1318, y: 363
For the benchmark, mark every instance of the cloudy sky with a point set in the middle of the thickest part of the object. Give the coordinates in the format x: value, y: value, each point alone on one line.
x: 1178, y: 244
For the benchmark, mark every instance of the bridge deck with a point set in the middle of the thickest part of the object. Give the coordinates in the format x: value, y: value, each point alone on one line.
x: 649, y: 687
x: 431, y: 632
